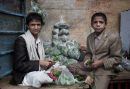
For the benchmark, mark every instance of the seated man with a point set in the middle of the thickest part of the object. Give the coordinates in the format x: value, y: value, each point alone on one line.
x: 29, y: 62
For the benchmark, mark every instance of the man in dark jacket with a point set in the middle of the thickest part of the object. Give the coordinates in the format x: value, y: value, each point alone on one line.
x: 29, y: 63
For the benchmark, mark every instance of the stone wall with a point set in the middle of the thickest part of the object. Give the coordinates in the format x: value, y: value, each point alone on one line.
x: 78, y: 14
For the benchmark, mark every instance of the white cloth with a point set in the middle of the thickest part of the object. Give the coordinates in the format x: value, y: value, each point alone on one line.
x: 35, y: 78
x: 31, y: 46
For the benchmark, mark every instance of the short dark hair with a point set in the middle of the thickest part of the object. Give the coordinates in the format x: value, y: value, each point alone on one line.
x: 34, y: 16
x: 99, y: 14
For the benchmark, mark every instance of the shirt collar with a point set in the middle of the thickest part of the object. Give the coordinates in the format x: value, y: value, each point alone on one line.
x: 38, y: 41
x: 98, y: 37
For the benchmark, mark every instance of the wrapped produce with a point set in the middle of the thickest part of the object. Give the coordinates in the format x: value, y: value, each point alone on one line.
x: 63, y: 49
x: 52, y: 51
x: 66, y: 78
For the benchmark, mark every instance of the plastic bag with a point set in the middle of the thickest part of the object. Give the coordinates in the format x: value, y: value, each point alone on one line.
x: 66, y: 78
x: 73, y: 49
x: 36, y: 79
x: 52, y: 51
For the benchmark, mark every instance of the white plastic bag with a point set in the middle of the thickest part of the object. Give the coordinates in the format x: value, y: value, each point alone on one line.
x: 36, y: 79
x: 66, y: 78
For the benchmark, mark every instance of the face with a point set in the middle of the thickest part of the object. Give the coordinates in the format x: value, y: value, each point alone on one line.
x: 98, y: 24
x: 35, y: 27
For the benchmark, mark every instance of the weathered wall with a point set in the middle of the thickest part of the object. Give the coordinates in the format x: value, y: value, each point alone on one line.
x: 78, y: 13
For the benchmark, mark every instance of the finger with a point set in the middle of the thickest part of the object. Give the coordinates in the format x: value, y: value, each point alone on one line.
x: 87, y: 81
x: 50, y: 60
x: 91, y: 81
x: 50, y: 63
x: 94, y: 66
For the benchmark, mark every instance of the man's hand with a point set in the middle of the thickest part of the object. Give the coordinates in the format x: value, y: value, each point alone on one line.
x: 96, y: 64
x: 83, y: 49
x: 46, y: 63
x: 89, y: 80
